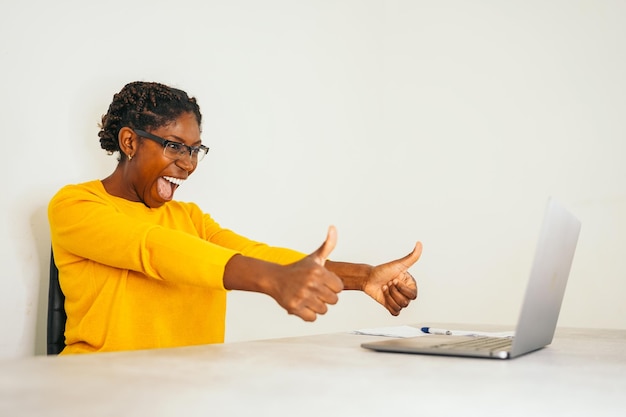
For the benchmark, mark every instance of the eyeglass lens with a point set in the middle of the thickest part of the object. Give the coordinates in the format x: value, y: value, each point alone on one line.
x: 175, y: 150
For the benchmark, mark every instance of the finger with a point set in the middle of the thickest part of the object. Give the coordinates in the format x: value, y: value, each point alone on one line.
x: 391, y: 305
x: 334, y: 284
x: 317, y: 306
x: 321, y: 254
x: 325, y: 286
x: 311, y: 310
x: 409, y: 291
x: 412, y: 257
x: 305, y: 314
x: 304, y: 310
x: 398, y: 297
x: 330, y: 296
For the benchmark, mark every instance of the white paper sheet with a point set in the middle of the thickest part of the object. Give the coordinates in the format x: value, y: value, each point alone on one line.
x: 393, y: 331
x: 410, y: 331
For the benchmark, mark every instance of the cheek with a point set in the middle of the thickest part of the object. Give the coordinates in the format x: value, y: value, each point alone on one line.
x: 153, y: 165
x: 147, y: 177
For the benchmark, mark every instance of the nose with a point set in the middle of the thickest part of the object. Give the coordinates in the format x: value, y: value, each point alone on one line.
x: 185, y: 162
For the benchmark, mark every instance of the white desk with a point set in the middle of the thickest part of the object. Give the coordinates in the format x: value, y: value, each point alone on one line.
x: 583, y: 373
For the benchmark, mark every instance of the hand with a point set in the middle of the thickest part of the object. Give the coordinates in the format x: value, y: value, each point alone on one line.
x: 308, y: 287
x: 391, y: 285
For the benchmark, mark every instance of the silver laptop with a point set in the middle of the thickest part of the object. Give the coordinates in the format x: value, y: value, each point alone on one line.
x: 540, y: 310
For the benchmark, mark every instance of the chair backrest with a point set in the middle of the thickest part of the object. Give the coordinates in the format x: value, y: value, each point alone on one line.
x: 56, y: 312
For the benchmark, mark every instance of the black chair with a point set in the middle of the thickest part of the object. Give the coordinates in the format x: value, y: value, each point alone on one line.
x: 56, y: 312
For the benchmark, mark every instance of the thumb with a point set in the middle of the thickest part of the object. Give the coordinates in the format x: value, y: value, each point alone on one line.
x: 320, y: 255
x: 412, y: 257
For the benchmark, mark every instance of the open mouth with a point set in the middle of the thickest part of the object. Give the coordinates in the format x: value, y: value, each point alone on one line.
x: 167, y: 185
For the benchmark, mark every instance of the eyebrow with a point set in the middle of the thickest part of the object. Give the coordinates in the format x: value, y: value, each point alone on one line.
x: 181, y: 140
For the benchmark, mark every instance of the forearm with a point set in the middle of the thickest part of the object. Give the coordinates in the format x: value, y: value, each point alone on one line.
x: 352, y: 275
x: 250, y: 274
x: 303, y: 289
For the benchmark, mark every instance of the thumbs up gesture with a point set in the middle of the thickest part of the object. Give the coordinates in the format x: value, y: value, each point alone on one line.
x: 308, y: 287
x: 305, y: 288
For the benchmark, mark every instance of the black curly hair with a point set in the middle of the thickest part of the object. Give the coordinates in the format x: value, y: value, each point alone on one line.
x: 145, y: 106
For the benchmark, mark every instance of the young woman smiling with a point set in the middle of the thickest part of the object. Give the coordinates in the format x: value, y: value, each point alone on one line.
x: 142, y: 270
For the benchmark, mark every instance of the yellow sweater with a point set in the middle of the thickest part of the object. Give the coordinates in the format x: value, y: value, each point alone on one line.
x: 140, y: 278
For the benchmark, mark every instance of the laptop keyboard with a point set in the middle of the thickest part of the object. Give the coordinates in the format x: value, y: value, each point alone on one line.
x: 479, y: 343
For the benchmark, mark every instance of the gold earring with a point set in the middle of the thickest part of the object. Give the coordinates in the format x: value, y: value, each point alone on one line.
x: 129, y: 157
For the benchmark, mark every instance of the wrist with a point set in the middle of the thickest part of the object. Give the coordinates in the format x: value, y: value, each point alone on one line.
x: 354, y: 276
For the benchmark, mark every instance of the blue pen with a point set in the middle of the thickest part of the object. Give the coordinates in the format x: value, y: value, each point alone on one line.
x: 432, y: 330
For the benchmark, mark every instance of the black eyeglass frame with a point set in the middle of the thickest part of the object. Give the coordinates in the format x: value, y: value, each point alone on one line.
x: 200, y: 151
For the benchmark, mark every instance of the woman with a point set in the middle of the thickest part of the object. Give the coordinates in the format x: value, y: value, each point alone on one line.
x: 141, y: 270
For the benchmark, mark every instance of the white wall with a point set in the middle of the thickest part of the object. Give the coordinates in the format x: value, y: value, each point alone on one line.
x: 448, y: 122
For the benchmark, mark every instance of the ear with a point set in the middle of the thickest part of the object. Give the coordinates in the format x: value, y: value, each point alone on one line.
x: 128, y: 142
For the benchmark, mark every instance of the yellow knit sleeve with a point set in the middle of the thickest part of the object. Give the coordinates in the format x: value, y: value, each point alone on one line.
x: 86, y: 223
x: 229, y: 239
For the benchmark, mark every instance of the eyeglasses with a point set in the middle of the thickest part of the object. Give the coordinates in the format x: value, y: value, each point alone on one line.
x: 176, y: 150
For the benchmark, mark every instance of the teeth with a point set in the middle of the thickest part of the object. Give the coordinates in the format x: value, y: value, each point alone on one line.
x: 177, y: 181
